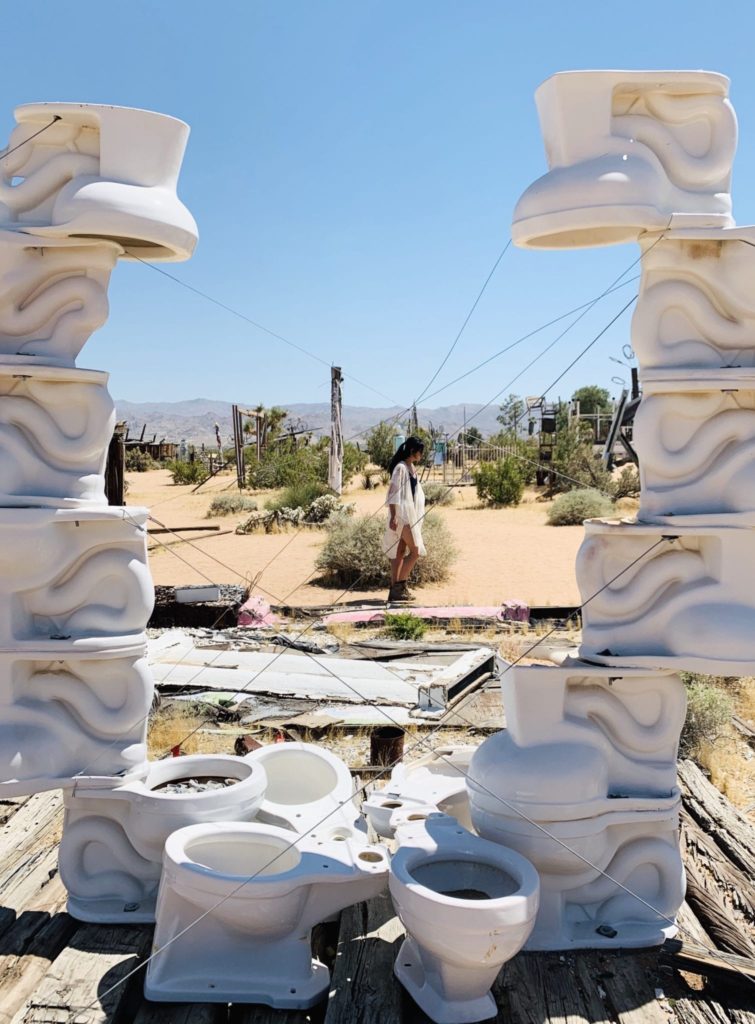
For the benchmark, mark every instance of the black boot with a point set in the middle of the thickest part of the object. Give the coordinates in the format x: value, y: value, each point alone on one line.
x: 395, y: 593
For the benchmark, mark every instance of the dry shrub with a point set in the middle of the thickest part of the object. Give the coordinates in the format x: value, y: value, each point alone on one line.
x: 573, y: 507
x: 169, y: 727
x: 353, y: 553
x: 228, y: 504
x: 709, y: 711
x: 438, y: 494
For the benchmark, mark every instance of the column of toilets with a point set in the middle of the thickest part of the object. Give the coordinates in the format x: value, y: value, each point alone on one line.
x: 582, y: 782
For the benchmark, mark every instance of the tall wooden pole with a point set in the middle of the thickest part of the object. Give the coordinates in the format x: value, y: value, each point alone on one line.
x: 335, y: 457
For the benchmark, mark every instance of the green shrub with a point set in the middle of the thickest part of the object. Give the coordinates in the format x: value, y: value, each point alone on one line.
x: 368, y: 479
x: 572, y: 508
x: 438, y: 494
x: 187, y: 472
x: 405, y: 626
x: 575, y: 464
x: 299, y: 495
x: 499, y: 483
x: 138, y: 461
x: 709, y: 711
x: 228, y: 504
x: 353, y: 552
x: 380, y: 444
x: 627, y: 484
x: 288, y: 463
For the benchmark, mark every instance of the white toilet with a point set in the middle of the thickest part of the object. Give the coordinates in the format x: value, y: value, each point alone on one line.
x: 100, y: 172
x: 629, y: 151
x: 437, y: 779
x: 236, y: 906
x: 468, y: 906
x: 113, y: 837
x: 309, y: 790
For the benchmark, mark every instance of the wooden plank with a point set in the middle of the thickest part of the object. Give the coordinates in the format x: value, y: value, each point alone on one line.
x: 37, y: 823
x: 717, y: 889
x: 690, y: 927
x: 708, y: 1011
x: 38, y: 934
x: 708, y: 905
x: 704, y: 960
x: 630, y: 992
x: 363, y: 989
x: 181, y: 1013
x: 535, y: 988
x: 88, y: 983
x: 731, y: 831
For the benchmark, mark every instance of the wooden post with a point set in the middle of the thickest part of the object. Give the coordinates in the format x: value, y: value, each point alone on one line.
x: 335, y: 456
x: 238, y: 446
x: 115, y: 469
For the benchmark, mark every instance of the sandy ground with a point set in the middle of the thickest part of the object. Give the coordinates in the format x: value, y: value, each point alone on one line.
x: 504, y: 554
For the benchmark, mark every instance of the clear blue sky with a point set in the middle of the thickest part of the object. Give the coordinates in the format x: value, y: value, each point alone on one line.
x: 352, y: 167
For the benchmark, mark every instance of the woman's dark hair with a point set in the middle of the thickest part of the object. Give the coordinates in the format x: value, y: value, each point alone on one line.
x: 404, y: 450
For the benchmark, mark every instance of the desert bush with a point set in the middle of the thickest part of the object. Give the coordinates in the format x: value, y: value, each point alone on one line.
x: 353, y: 552
x: 572, y: 508
x: 228, y: 504
x: 187, y: 472
x: 289, y: 463
x: 380, y: 444
x: 138, y: 461
x: 316, y: 513
x: 709, y: 711
x: 299, y: 495
x: 499, y: 483
x: 627, y: 484
x: 368, y: 479
x: 438, y: 494
x: 405, y: 626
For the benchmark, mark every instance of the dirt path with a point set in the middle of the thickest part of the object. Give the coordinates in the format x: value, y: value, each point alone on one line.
x: 504, y: 554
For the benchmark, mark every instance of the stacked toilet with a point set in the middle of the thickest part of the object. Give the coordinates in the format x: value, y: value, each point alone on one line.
x: 583, y: 780
x: 80, y: 188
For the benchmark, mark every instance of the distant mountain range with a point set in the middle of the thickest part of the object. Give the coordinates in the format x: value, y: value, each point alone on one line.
x: 194, y: 420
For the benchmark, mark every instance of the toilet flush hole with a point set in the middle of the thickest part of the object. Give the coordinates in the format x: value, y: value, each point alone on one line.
x: 370, y: 857
x: 417, y: 817
x: 391, y: 804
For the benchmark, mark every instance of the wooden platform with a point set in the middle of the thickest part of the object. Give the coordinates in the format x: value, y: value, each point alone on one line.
x: 54, y: 970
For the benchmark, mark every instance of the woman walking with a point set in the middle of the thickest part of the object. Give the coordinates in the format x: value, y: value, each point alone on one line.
x: 402, y: 541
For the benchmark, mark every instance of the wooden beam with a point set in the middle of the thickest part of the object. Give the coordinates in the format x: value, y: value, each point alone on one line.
x: 363, y: 989
x: 700, y: 960
x: 87, y: 982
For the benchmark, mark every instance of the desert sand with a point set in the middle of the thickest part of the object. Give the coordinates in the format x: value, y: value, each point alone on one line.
x: 503, y: 554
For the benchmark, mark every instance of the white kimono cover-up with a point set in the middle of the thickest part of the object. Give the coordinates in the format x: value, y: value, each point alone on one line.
x: 410, y: 511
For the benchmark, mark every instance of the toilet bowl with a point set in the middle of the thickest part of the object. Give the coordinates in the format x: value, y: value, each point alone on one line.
x: 99, y: 172
x: 237, y: 904
x: 629, y: 151
x: 113, y: 835
x: 468, y: 906
x: 309, y: 790
x: 437, y: 779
